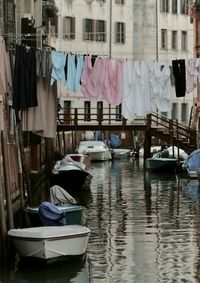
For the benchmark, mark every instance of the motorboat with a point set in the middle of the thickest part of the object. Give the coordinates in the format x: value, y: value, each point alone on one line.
x: 70, y: 175
x: 50, y: 242
x: 166, y: 160
x: 64, y: 202
x: 96, y: 150
x: 53, y: 240
x: 161, y: 164
x: 192, y: 164
x: 119, y: 153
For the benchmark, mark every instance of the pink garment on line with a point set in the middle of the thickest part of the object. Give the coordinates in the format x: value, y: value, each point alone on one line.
x: 92, y: 79
x: 113, y: 81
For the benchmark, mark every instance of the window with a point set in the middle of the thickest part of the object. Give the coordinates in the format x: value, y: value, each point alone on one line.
x: 100, y: 110
x: 120, y: 32
x: 119, y: 112
x: 88, y: 29
x: 67, y: 111
x: 100, y: 30
x: 184, y: 6
x: 174, y: 7
x: 174, y: 40
x: 163, y: 38
x: 184, y: 112
x: 184, y: 40
x: 94, y: 27
x: 69, y: 27
x: 174, y: 111
x: 87, y: 111
x: 120, y: 1
x: 164, y: 6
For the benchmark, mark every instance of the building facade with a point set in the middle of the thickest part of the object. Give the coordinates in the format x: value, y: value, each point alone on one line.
x: 141, y: 30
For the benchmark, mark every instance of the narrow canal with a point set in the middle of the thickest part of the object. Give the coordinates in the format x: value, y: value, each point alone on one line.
x: 145, y: 228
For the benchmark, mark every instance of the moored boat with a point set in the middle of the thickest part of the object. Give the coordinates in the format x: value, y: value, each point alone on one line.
x: 70, y: 175
x: 50, y: 242
x: 96, y: 150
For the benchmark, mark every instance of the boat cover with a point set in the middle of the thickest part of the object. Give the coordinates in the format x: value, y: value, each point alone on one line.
x: 59, y: 196
x: 193, y: 160
x: 50, y: 215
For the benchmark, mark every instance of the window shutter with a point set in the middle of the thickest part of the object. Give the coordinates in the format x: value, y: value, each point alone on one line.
x: 64, y: 27
x: 84, y: 29
x: 124, y: 33
x: 105, y: 31
x: 72, y: 31
x: 116, y: 32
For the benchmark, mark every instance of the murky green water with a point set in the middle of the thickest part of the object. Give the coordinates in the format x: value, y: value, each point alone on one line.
x: 145, y: 228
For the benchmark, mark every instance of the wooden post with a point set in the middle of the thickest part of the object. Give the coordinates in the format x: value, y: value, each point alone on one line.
x: 25, y: 168
x: 147, y: 142
x: 6, y: 171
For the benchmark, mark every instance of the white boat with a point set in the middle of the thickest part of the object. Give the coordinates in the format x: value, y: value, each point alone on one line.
x: 96, y: 150
x: 50, y: 242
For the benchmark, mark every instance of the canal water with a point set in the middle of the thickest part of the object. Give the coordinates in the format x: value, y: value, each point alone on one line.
x: 145, y: 228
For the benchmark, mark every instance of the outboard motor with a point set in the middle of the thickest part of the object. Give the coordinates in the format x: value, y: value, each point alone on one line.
x: 50, y: 215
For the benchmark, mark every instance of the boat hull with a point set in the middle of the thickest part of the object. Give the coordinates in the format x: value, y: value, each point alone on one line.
x: 161, y: 164
x: 72, y: 180
x: 61, y: 241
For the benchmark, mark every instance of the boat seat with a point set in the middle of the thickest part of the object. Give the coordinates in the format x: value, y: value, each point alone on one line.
x: 50, y: 215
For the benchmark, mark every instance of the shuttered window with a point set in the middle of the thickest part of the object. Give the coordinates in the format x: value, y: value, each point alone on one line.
x: 100, y: 30
x: 120, y: 32
x: 69, y: 27
x: 88, y: 29
x: 164, y: 6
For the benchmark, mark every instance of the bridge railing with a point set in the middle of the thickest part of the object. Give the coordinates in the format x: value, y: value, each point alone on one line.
x: 105, y: 116
x: 171, y: 126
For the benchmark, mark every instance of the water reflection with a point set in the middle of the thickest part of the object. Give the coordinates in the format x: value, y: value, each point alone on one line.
x: 66, y: 271
x: 145, y: 228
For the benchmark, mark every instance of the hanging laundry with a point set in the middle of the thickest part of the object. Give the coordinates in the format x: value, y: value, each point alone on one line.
x: 112, y: 88
x: 141, y: 89
x: 128, y: 101
x: 179, y: 71
x: 43, y: 63
x: 164, y: 101
x: 74, y: 71
x: 42, y: 120
x: 191, y: 75
x: 5, y: 70
x: 24, y: 83
x: 92, y: 79
x: 58, y: 65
